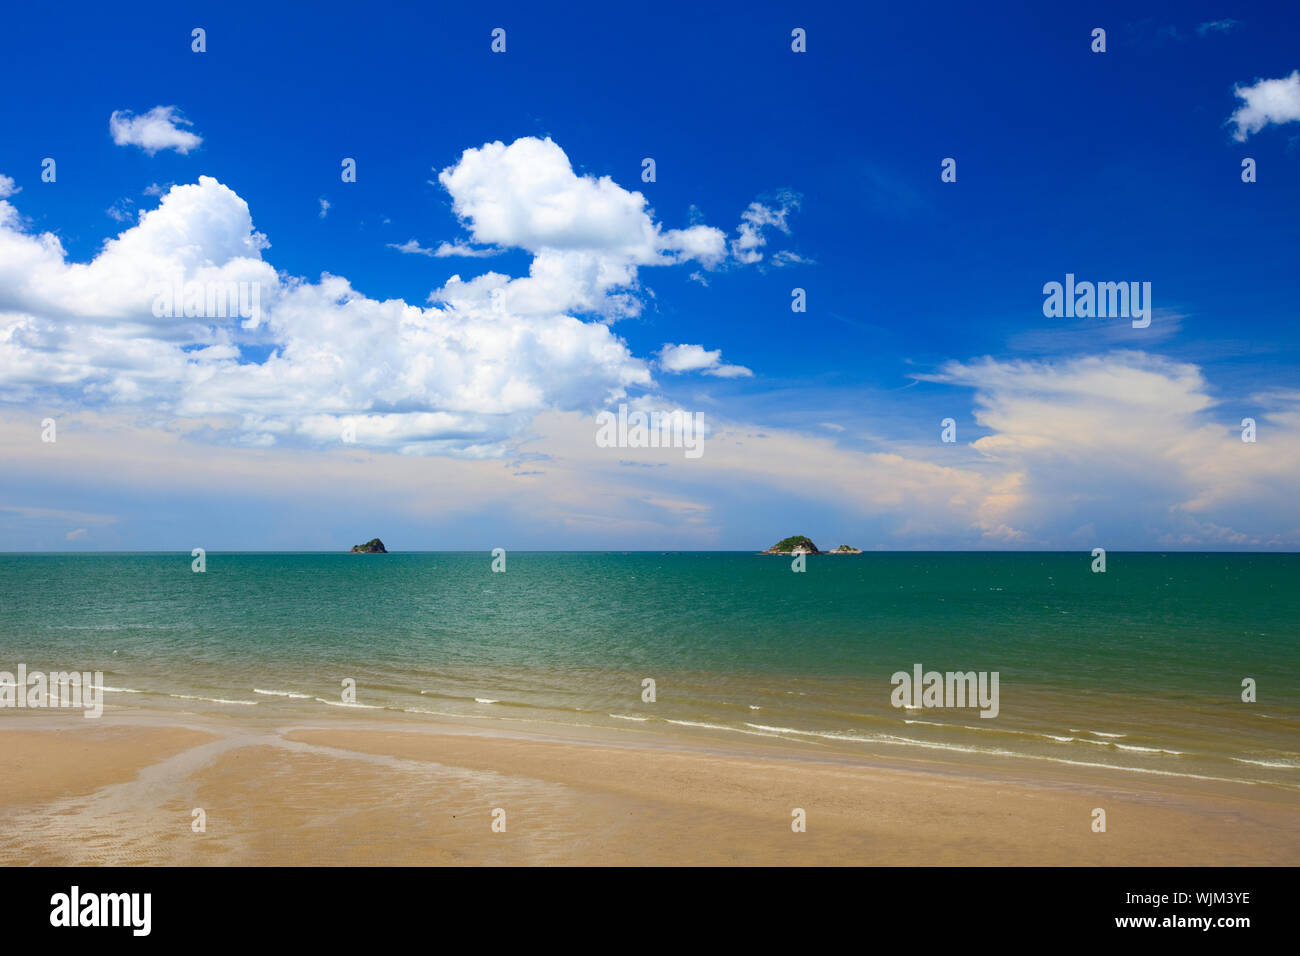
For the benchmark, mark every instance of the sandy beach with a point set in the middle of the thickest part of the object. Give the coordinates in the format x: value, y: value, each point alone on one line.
x: 349, y: 789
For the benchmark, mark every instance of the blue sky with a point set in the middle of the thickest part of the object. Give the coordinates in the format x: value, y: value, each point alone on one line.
x: 924, y: 297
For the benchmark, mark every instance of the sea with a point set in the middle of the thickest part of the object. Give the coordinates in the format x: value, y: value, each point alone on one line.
x: 1178, y: 664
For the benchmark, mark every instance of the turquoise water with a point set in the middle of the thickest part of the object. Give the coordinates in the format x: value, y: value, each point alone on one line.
x: 1139, y: 667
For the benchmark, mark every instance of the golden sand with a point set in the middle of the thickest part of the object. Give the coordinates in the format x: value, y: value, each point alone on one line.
x: 124, y: 790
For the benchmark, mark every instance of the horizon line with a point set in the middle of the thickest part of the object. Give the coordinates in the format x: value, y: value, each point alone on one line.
x: 761, y: 552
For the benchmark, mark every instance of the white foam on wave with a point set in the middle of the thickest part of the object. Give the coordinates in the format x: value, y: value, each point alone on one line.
x: 998, y: 730
x: 734, y: 730
x: 930, y: 745
x: 1149, y: 750
x: 444, y: 713
x: 339, y: 703
x: 627, y: 717
x: 485, y: 700
x: 802, y: 733
x: 99, y: 687
x: 1284, y: 765
x: 214, y: 700
x: 281, y: 693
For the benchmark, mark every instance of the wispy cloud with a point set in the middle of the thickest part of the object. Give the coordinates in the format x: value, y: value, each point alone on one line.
x: 57, y: 514
x: 748, y: 245
x: 448, y: 249
x: 1093, y: 335
x: 1216, y: 26
x: 411, y: 248
x: 122, y: 210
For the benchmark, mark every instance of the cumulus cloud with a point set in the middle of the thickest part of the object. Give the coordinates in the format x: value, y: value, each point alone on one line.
x: 588, y: 235
x: 462, y: 375
x: 1264, y: 102
x: 324, y: 207
x: 526, y: 195
x: 1131, y: 446
x: 7, y: 187
x: 156, y: 130
x: 695, y: 358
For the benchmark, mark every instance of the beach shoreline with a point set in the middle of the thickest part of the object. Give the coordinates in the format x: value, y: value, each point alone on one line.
x: 366, y: 788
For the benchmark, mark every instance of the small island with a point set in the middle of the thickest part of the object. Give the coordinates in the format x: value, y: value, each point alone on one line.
x: 796, y: 544
x: 802, y: 544
x: 373, y: 546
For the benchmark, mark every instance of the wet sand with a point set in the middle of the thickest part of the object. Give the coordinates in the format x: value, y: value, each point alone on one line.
x: 357, y: 790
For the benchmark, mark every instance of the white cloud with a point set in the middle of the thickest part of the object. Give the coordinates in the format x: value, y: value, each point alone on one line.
x: 687, y: 358
x: 1123, y: 450
x: 1264, y: 102
x: 75, y: 534
x: 695, y: 358
x: 444, y: 250
x: 588, y: 235
x: 121, y: 210
x: 410, y: 247
x: 1131, y: 445
x: 463, y: 376
x: 729, y: 371
x: 448, y: 249
x: 787, y: 258
x: 156, y: 130
x: 526, y: 195
x: 7, y: 187
x: 324, y: 207
x: 747, y: 246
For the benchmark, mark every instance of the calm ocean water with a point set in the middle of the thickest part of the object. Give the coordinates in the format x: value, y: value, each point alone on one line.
x: 1138, y: 668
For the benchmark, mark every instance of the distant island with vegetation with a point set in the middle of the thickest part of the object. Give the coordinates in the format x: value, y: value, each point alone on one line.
x: 802, y: 544
x: 373, y: 546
